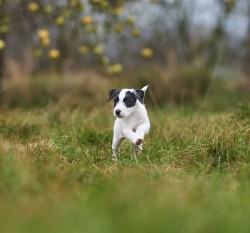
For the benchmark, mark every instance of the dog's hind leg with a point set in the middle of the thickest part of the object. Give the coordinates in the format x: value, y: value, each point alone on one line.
x: 116, y: 143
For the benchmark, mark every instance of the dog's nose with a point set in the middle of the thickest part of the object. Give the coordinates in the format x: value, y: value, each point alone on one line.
x: 117, y: 112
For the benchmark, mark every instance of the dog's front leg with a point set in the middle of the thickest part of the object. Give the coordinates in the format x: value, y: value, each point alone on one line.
x: 137, y: 148
x: 132, y: 136
x: 143, y: 129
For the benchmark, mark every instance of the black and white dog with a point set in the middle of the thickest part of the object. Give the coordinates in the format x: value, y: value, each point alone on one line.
x: 132, y: 120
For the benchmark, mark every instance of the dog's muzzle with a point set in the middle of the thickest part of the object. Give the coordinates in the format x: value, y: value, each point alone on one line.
x: 118, y: 113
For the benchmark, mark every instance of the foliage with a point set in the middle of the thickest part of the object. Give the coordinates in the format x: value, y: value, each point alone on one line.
x: 117, y: 34
x: 70, y: 29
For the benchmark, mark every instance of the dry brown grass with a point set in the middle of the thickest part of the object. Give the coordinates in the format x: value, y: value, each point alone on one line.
x: 193, y: 85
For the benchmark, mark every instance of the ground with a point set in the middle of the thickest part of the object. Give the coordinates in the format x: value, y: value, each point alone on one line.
x: 57, y: 174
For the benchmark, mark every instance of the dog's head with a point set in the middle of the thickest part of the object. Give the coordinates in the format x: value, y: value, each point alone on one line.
x: 126, y: 100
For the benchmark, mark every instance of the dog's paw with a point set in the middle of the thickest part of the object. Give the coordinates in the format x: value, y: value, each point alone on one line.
x: 139, y: 142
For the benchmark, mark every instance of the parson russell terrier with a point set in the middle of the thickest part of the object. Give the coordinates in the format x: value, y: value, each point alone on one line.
x: 131, y: 117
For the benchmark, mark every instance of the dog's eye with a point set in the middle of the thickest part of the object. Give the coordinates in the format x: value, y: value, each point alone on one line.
x: 127, y: 101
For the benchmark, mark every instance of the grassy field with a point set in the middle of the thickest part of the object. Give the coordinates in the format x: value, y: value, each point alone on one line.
x: 56, y: 172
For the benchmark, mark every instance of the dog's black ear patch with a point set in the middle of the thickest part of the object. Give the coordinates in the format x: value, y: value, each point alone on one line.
x: 140, y: 95
x: 113, y: 93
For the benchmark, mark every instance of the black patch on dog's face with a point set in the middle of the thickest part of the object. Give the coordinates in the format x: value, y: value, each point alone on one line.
x: 129, y: 99
x: 116, y: 100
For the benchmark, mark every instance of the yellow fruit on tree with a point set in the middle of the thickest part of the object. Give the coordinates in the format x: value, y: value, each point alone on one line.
x: 136, y: 32
x: 119, y: 28
x: 67, y: 13
x: 60, y: 20
x: 2, y: 44
x: 131, y: 19
x: 118, y: 10
x: 48, y: 9
x: 104, y: 5
x: 98, y: 50
x: 33, y: 7
x: 43, y: 33
x: 87, y: 20
x: 147, y: 52
x: 115, y: 69
x: 4, y: 28
x: 83, y: 49
x: 45, y: 41
x: 54, y: 54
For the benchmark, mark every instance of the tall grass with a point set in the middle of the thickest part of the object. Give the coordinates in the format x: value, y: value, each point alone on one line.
x: 56, y: 171
x: 190, y: 85
x: 57, y: 175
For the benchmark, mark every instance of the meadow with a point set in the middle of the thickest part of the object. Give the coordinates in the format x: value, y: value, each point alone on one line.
x: 57, y: 175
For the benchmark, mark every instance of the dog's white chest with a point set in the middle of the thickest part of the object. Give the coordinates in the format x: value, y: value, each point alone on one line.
x: 133, y: 121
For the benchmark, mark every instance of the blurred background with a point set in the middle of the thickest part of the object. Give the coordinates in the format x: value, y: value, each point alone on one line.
x: 71, y: 53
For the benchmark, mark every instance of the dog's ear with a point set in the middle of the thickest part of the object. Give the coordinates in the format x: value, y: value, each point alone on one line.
x: 141, y: 93
x: 145, y: 88
x: 112, y: 94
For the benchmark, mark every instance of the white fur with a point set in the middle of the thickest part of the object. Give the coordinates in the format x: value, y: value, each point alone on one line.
x: 132, y: 125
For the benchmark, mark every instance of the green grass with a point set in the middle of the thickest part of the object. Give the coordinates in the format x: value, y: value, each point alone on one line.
x: 56, y: 173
